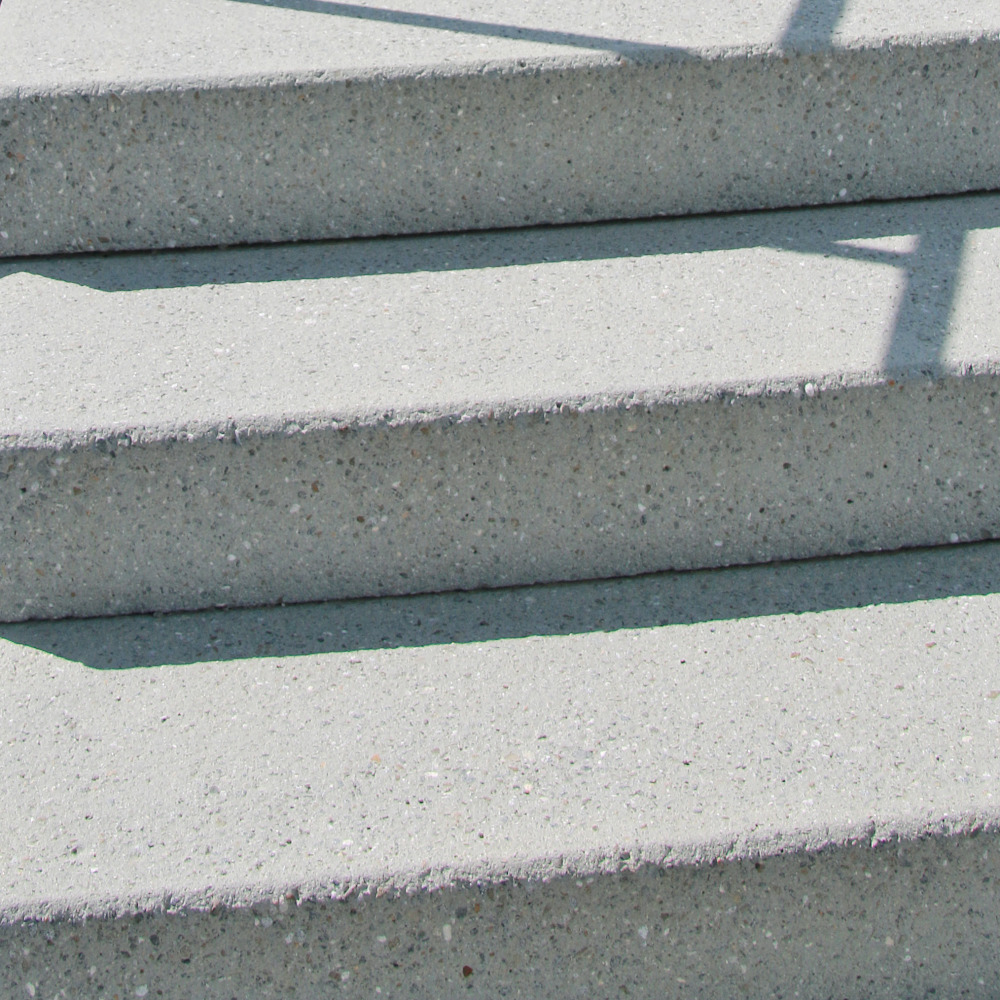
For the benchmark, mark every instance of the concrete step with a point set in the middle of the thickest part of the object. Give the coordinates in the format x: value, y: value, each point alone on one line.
x: 767, y: 782
x: 139, y: 124
x: 352, y: 419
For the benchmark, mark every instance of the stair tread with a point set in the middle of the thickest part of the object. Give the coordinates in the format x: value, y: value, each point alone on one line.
x: 768, y: 778
x: 464, y: 324
x: 244, y: 427
x: 416, y: 743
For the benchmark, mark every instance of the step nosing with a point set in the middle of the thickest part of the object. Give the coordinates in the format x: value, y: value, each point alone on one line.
x: 601, y: 861
x: 241, y: 428
x: 620, y: 56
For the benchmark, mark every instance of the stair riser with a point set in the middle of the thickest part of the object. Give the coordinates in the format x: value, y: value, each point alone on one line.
x: 904, y: 919
x: 239, y: 516
x: 671, y: 133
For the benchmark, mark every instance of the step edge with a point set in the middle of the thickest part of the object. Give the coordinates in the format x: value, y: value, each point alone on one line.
x: 644, y: 56
x: 611, y: 861
x: 237, y: 428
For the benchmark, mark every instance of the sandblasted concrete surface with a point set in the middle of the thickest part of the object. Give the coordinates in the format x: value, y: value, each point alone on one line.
x: 188, y: 430
x: 739, y: 781
x: 141, y: 125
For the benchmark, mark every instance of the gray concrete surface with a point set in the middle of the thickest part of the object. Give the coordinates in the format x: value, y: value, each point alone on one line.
x: 138, y: 124
x: 732, y: 783
x: 244, y: 427
x: 909, y: 919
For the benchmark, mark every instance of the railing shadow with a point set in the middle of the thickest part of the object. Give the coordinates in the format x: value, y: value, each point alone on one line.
x: 620, y: 46
x: 931, y: 267
x: 937, y: 228
x: 678, y: 598
x: 811, y: 24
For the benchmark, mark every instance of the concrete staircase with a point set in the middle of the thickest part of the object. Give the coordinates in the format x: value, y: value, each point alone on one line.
x: 758, y: 777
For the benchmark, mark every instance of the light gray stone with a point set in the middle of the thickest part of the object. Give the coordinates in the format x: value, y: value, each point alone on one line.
x: 143, y: 125
x: 766, y: 780
x: 339, y: 420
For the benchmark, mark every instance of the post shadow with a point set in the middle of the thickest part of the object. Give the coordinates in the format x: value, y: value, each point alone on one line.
x: 673, y: 598
x: 812, y: 23
x: 931, y: 271
x: 920, y: 329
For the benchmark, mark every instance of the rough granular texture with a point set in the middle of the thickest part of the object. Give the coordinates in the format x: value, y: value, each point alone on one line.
x: 130, y: 165
x: 904, y: 919
x: 236, y: 516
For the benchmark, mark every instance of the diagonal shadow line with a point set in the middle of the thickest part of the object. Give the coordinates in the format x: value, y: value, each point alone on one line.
x: 823, y: 232
x: 679, y: 598
x: 148, y: 270
x: 437, y: 22
x: 917, y: 338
